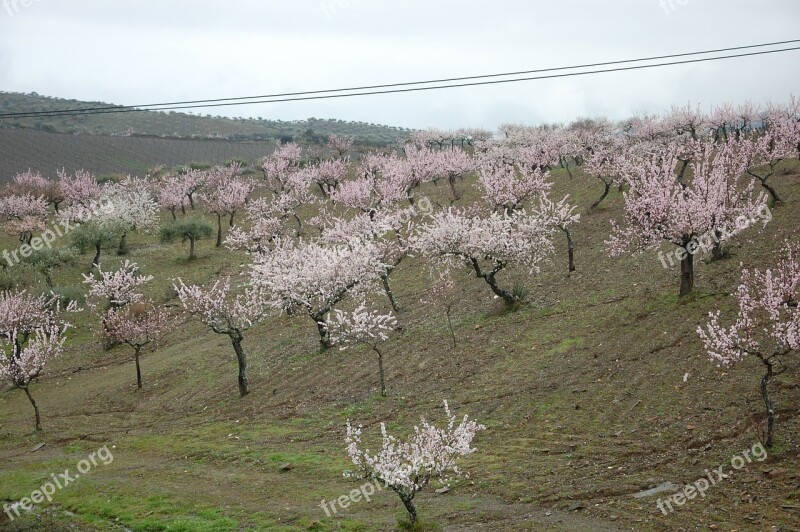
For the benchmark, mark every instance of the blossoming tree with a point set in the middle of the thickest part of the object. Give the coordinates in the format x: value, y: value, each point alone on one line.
x: 226, y: 312
x: 767, y: 326
x: 407, y: 467
x: 31, y: 334
x: 486, y: 244
x: 311, y: 277
x: 137, y: 325
x: 362, y: 326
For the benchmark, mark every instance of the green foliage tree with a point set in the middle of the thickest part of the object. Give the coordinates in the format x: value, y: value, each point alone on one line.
x: 44, y: 261
x: 191, y: 229
x: 96, y: 236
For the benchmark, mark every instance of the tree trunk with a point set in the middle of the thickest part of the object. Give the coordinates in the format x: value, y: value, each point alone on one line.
x: 35, y: 409
x: 601, y: 198
x: 380, y: 371
x: 191, y: 248
x: 123, y: 244
x: 687, y: 274
x: 451, y: 180
x: 244, y: 387
x: 412, y: 512
x: 219, y: 231
x: 716, y: 250
x: 447, y: 310
x: 138, y: 367
x: 508, y: 297
x: 765, y: 380
x: 230, y: 222
x: 96, y: 259
x: 570, y: 248
x: 174, y: 217
x: 388, y: 289
x: 324, y: 336
x: 183, y: 210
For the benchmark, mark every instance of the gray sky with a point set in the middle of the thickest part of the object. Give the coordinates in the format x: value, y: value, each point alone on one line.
x: 137, y: 51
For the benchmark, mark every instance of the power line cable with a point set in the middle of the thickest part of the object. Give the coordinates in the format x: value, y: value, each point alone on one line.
x: 312, y: 96
x: 444, y: 80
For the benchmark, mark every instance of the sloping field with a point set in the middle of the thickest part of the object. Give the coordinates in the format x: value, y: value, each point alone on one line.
x: 21, y: 149
x: 596, y: 389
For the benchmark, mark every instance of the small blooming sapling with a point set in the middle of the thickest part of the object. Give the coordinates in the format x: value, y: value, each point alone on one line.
x: 430, y: 453
x: 361, y: 326
x: 767, y: 326
x: 137, y: 325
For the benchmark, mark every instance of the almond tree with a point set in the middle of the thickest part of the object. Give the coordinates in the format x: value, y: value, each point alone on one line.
x: 265, y: 226
x: 767, y: 326
x: 508, y: 186
x: 486, y: 244
x: 561, y: 216
x: 80, y: 189
x: 225, y: 312
x: 388, y: 230
x: 225, y: 194
x: 36, y: 185
x: 115, y: 289
x: 134, y: 208
x: 137, y: 325
x: 361, y: 326
x: 340, y: 145
x: 171, y: 194
x: 25, y: 215
x: 312, y: 278
x: 31, y: 334
x: 659, y: 207
x: 454, y: 164
x: 406, y: 467
x: 280, y: 165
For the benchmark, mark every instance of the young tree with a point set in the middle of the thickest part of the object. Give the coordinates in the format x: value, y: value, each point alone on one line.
x: 191, y: 229
x: 31, y: 334
x: 561, y: 216
x: 660, y: 207
x: 312, y: 277
x: 454, y: 237
x: 767, y: 326
x: 116, y: 289
x: 406, y: 468
x: 46, y: 260
x: 361, y: 326
x: 226, y: 312
x: 137, y: 325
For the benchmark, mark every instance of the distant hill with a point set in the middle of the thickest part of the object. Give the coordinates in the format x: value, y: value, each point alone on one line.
x: 131, y: 143
x: 182, y: 125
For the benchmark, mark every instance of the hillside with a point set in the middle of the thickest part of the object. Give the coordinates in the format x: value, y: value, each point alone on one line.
x: 183, y: 125
x: 45, y: 152
x: 595, y: 389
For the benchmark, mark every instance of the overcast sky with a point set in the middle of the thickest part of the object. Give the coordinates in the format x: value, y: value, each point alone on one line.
x: 138, y: 51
